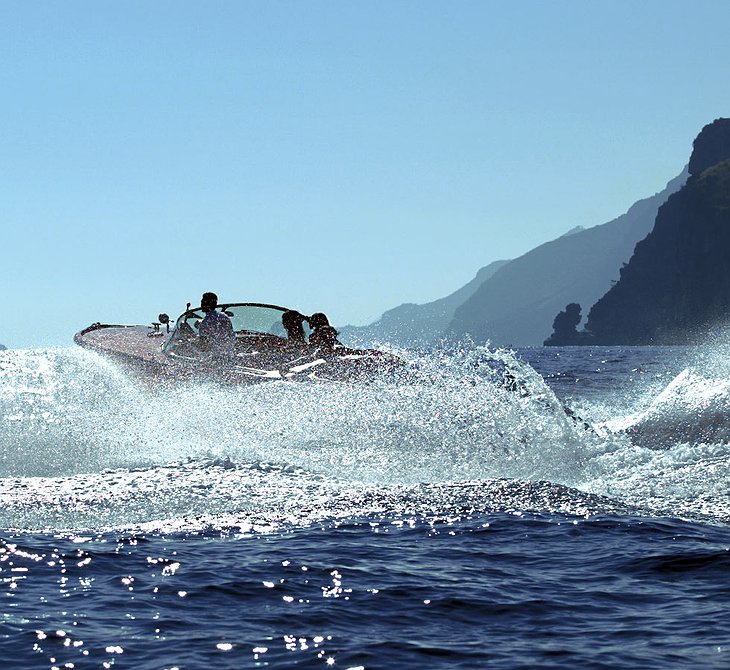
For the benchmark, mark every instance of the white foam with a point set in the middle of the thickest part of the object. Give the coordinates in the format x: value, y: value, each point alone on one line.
x: 109, y: 441
x: 68, y: 411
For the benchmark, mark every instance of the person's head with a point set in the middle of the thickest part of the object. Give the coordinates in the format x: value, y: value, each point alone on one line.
x: 208, y: 302
x: 318, y: 320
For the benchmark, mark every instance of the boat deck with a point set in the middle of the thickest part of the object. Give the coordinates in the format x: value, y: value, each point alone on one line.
x: 141, y: 342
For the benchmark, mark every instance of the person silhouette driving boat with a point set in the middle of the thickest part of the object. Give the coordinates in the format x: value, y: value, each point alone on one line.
x: 216, y: 330
x: 293, y: 323
x: 322, y: 333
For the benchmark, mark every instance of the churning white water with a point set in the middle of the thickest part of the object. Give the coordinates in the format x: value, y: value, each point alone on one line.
x: 82, y: 444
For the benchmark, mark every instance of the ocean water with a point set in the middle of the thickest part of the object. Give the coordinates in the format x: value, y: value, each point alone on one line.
x: 443, y: 520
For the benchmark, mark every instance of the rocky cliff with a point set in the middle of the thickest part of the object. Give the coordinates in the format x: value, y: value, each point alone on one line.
x: 517, y: 306
x: 676, y: 286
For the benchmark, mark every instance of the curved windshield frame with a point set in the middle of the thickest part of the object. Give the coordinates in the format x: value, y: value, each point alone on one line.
x: 247, y: 318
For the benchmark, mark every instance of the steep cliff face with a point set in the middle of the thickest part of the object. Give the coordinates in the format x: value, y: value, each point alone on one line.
x: 676, y: 287
x: 517, y: 306
x: 711, y: 146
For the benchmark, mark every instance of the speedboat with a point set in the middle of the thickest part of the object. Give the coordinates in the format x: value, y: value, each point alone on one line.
x: 262, y: 350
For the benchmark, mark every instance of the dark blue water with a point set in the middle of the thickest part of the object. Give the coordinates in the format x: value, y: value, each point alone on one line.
x: 442, y: 523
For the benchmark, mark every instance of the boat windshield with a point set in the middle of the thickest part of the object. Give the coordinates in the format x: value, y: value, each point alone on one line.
x: 245, y: 318
x: 256, y: 318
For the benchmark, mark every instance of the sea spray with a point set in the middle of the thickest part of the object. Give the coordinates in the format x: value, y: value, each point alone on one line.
x: 471, y: 416
x: 84, y: 445
x: 250, y: 510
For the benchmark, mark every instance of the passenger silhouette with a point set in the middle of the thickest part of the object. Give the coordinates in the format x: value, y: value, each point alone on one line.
x: 322, y: 333
x: 293, y: 323
x: 216, y: 330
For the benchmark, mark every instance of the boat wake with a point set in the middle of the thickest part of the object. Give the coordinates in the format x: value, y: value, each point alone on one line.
x: 83, y: 446
x: 692, y: 408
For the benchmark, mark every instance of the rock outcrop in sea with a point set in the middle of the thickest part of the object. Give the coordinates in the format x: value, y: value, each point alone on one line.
x: 565, y: 327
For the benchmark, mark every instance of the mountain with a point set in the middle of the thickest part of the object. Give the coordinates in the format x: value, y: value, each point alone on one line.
x: 411, y: 324
x: 676, y: 286
x: 517, y: 305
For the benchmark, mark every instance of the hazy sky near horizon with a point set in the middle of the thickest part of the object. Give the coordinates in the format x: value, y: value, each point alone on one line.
x: 336, y: 156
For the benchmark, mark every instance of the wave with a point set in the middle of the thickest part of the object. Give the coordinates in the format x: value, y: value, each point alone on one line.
x: 84, y: 445
x: 68, y: 411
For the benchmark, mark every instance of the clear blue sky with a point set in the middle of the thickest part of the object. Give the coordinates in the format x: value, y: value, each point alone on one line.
x: 335, y: 156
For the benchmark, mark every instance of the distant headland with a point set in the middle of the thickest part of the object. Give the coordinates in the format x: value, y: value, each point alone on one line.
x: 675, y: 288
x: 657, y: 274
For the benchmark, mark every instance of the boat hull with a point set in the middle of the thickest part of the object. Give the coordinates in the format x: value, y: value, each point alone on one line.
x: 141, y: 349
